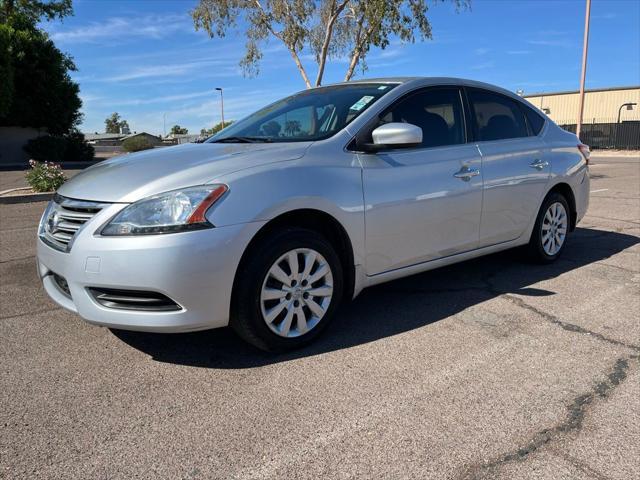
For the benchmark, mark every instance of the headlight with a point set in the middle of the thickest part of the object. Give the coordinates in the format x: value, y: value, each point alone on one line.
x: 168, y: 212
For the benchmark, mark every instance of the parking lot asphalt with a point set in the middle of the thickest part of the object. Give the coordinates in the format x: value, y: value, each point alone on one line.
x: 492, y: 368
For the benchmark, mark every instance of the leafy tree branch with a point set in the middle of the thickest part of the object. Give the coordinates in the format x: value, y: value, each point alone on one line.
x: 327, y: 29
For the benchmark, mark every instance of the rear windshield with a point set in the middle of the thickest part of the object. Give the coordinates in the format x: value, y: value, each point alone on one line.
x: 306, y: 116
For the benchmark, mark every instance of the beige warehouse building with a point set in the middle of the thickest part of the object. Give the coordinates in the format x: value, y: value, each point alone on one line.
x: 601, y: 105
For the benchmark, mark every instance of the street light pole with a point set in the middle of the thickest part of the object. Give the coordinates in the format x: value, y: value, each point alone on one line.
x: 164, y: 124
x: 221, y: 105
x: 629, y: 106
x: 583, y: 74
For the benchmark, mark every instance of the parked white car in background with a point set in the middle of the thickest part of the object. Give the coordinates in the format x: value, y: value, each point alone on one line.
x: 272, y: 222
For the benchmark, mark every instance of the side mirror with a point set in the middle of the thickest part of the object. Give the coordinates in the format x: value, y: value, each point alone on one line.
x: 394, y: 135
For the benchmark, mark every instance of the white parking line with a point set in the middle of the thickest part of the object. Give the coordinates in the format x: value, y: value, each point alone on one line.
x: 601, y: 190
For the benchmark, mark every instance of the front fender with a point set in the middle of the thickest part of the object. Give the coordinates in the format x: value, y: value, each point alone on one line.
x: 262, y: 194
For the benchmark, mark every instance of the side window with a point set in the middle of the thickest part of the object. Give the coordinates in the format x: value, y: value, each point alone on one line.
x: 535, y: 119
x: 438, y: 112
x: 497, y: 117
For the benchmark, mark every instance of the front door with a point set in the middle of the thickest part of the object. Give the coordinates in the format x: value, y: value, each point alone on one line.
x: 423, y: 203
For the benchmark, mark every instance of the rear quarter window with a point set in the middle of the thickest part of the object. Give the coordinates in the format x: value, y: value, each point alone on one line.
x: 535, y: 120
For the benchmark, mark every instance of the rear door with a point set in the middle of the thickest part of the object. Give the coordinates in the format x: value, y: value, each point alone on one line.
x: 423, y: 203
x: 515, y: 165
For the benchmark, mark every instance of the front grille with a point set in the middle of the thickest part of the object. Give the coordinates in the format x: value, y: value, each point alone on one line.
x: 63, y: 218
x: 133, y: 300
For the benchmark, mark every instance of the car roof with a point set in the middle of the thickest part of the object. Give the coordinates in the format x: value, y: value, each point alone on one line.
x: 433, y: 81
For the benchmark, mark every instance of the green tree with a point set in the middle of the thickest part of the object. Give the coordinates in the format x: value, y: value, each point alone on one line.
x: 60, y: 148
x: 327, y: 29
x: 6, y: 71
x: 53, y: 104
x: 178, y: 130
x: 114, y: 123
x: 35, y: 87
x: 215, y: 129
x: 292, y: 127
x: 32, y: 11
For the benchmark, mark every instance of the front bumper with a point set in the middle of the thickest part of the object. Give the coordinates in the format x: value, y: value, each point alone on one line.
x: 195, y: 269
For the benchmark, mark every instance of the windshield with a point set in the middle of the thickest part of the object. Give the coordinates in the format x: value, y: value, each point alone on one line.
x: 306, y: 116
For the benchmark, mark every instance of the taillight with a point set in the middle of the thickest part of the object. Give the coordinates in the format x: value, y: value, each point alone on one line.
x: 584, y: 150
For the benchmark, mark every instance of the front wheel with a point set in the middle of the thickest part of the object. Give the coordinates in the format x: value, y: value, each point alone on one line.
x: 287, y: 290
x: 550, y: 230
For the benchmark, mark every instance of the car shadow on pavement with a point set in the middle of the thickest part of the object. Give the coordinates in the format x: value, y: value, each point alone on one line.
x: 392, y: 308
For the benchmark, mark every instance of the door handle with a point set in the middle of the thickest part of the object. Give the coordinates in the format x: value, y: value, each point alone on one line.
x: 466, y: 173
x: 539, y: 164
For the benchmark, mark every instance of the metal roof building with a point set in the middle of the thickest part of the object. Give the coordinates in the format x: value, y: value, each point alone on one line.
x: 601, y: 105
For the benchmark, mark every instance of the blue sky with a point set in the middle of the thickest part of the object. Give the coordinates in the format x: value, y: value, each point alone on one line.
x: 144, y: 59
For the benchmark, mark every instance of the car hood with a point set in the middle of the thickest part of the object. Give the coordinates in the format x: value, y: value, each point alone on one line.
x: 129, y: 178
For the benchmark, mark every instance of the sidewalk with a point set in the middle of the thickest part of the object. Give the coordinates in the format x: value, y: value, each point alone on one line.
x: 616, y: 153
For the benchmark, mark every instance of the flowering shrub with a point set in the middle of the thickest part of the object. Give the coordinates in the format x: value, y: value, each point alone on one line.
x: 45, y: 177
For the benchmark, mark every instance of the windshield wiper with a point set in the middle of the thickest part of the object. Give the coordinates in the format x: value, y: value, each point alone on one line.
x: 244, y: 140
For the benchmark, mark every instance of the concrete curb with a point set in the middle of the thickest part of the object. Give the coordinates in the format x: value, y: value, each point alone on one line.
x: 26, y: 198
x: 64, y: 165
x: 616, y: 153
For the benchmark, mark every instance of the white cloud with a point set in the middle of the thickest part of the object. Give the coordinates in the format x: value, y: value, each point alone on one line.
x: 553, y: 33
x: 390, y: 52
x: 606, y: 16
x: 551, y: 43
x: 222, y: 68
x: 164, y: 99
x: 482, y: 66
x: 518, y: 52
x: 481, y: 51
x: 120, y: 29
x: 192, y: 115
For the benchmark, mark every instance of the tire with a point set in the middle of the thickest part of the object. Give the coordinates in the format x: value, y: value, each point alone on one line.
x: 257, y: 312
x: 550, y: 229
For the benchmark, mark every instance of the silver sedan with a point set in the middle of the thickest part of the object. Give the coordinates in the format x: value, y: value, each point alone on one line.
x: 269, y: 224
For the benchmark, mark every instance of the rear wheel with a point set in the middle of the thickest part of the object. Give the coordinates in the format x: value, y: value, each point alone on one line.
x: 287, y: 290
x: 551, y: 229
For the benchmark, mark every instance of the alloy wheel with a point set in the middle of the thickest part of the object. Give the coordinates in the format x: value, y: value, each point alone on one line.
x: 554, y: 228
x: 296, y: 292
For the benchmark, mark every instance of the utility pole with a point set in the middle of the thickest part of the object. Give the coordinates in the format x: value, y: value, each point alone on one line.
x: 221, y: 105
x: 583, y: 74
x: 164, y: 124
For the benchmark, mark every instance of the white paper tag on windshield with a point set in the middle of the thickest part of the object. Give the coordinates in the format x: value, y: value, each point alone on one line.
x: 360, y: 104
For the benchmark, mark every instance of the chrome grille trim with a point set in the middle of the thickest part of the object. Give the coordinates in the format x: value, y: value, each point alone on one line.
x: 63, y: 218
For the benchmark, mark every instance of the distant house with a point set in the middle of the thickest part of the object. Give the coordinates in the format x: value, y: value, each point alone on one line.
x: 104, y: 139
x: 116, y: 139
x: 179, y: 138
